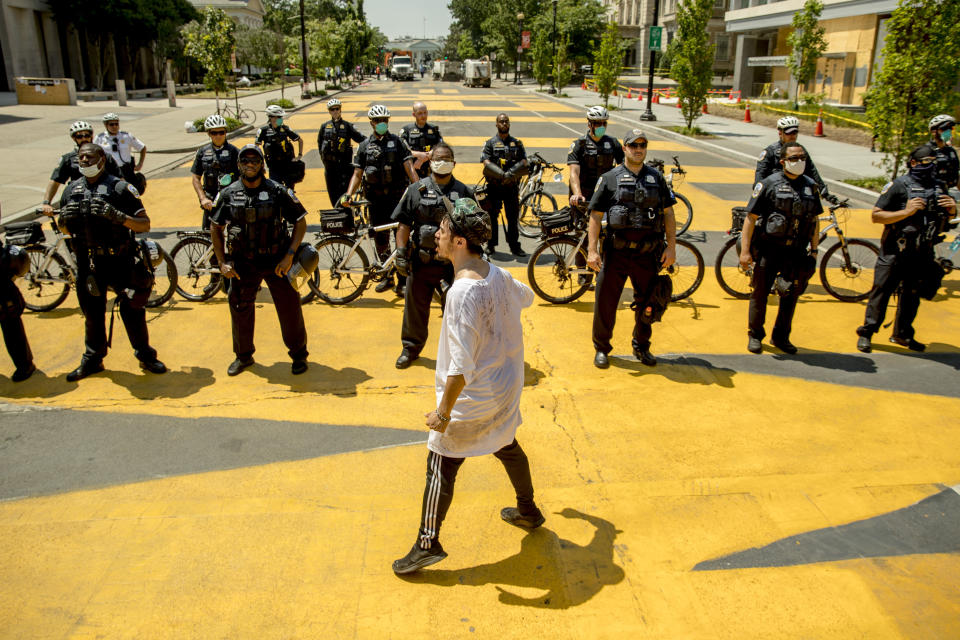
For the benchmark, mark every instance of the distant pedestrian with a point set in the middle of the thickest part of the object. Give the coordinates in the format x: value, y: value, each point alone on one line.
x: 479, y: 380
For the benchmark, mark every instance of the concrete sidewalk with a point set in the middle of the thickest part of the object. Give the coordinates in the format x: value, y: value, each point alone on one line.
x: 35, y: 136
x: 743, y: 141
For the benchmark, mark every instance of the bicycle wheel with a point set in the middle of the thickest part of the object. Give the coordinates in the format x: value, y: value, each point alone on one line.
x: 307, y: 293
x: 732, y: 279
x: 44, y: 289
x: 683, y: 213
x: 340, y: 279
x: 687, y: 271
x: 164, y: 280
x: 550, y: 276
x: 531, y: 207
x: 197, y: 278
x: 246, y: 116
x: 848, y: 274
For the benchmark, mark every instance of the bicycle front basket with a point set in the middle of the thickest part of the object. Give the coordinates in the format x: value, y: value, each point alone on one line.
x: 557, y: 223
x: 336, y: 221
x: 24, y: 233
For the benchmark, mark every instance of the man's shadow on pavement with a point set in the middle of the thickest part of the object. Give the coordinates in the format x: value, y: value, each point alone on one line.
x: 684, y: 369
x: 571, y: 574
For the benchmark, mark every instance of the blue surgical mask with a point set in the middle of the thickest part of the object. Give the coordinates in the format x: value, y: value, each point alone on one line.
x: 946, y: 135
x: 279, y: 121
x: 599, y: 131
x: 380, y: 128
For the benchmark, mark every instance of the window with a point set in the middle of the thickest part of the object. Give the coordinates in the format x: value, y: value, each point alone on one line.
x: 723, y: 48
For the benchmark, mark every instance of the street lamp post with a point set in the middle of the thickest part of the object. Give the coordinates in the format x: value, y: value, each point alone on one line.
x: 648, y: 114
x: 555, y: 74
x: 516, y: 75
x: 303, y: 51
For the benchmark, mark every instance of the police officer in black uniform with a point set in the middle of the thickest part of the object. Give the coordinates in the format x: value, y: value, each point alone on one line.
x: 591, y: 155
x: 781, y: 224
x: 69, y: 167
x: 384, y: 165
x: 14, y: 262
x: 788, y: 128
x: 254, y: 212
x: 277, y: 139
x: 423, y: 206
x: 215, y: 165
x: 102, y: 213
x: 336, y: 151
x: 504, y: 164
x: 640, y: 241
x: 914, y: 210
x: 421, y: 137
x: 948, y: 164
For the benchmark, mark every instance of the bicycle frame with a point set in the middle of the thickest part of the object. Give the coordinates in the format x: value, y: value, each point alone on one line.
x: 204, y: 258
x: 67, y: 255
x: 377, y: 270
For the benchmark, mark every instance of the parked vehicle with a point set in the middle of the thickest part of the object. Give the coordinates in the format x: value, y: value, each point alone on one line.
x: 476, y: 73
x: 401, y: 68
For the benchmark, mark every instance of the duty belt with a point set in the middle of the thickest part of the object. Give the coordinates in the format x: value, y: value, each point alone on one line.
x: 108, y: 251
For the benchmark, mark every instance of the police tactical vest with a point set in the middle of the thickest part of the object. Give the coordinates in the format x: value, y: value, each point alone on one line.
x: 219, y: 169
x: 384, y: 162
x: 335, y: 146
x: 596, y: 158
x: 430, y: 213
x: 276, y: 146
x: 422, y: 140
x: 948, y: 165
x: 793, y: 216
x: 637, y: 211
x: 506, y: 154
x: 92, y: 233
x: 922, y: 228
x: 256, y: 227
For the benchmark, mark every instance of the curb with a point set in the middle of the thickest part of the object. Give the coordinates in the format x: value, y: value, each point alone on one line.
x: 748, y: 160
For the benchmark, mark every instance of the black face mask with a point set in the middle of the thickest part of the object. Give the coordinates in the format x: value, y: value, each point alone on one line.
x: 924, y: 172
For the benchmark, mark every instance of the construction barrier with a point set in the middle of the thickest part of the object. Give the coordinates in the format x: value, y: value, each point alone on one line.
x: 746, y: 113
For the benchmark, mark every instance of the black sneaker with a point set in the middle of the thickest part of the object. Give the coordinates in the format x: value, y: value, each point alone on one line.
x: 385, y: 285
x: 513, y: 516
x: 419, y: 558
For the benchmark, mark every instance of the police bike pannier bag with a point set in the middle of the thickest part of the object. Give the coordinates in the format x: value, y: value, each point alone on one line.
x: 336, y: 221
x: 737, y: 217
x: 24, y: 233
x: 557, y: 223
x: 297, y: 171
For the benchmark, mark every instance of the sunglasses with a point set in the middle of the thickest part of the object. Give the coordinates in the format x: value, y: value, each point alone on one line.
x: 218, y: 133
x: 637, y: 145
x: 251, y: 161
x: 334, y: 109
x: 113, y: 124
x: 379, y: 120
x: 927, y: 160
x: 81, y: 136
x: 795, y: 158
x: 599, y: 123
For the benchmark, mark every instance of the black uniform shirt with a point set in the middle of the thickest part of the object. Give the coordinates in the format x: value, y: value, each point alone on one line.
x: 334, y: 141
x: 207, y: 155
x: 605, y: 193
x: 286, y: 202
x: 505, y: 153
x: 89, y: 230
x: 69, y: 168
x: 407, y: 211
x: 585, y: 151
x: 948, y: 165
x: 769, y: 163
x: 274, y: 141
x: 423, y: 138
x: 894, y: 197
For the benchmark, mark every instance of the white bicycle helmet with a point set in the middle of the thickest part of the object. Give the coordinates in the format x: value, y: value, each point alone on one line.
x: 216, y: 121
x: 110, y: 117
x: 941, y: 120
x: 787, y: 121
x: 275, y: 111
x: 597, y: 113
x: 80, y: 125
x: 333, y: 102
x: 378, y: 111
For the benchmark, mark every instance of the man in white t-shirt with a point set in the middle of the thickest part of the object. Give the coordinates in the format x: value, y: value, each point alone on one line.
x: 479, y: 381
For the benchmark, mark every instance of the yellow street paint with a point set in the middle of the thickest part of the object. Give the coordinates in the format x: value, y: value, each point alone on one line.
x: 545, y: 105
x: 532, y: 144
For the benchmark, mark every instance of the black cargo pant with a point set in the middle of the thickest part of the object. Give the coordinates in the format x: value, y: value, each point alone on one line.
x: 423, y: 280
x: 618, y: 265
x: 337, y: 176
x: 442, y: 474
x: 771, y: 262
x: 242, y: 297
x: 119, y: 273
x: 381, y: 212
x: 889, y: 272
x: 508, y: 197
x: 11, y: 324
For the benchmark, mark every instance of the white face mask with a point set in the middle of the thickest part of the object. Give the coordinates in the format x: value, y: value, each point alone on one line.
x: 796, y: 167
x: 442, y: 167
x: 90, y: 172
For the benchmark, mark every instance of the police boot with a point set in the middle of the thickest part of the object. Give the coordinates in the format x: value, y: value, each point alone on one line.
x: 784, y: 345
x: 153, y: 366
x: 909, y: 343
x: 86, y: 368
x: 754, y: 345
x: 386, y: 284
x: 645, y: 357
x: 863, y: 344
x: 23, y: 373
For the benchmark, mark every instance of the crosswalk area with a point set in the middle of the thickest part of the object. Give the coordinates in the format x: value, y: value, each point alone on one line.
x: 719, y: 494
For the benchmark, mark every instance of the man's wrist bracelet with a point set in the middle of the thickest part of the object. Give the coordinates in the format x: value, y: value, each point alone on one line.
x: 45, y: 202
x: 442, y: 417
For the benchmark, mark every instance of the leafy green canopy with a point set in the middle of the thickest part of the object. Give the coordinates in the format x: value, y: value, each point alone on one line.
x: 608, y: 62
x: 807, y: 43
x: 210, y: 42
x: 692, y: 57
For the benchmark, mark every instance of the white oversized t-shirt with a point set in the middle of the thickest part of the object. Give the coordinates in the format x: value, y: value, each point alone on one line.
x: 482, y: 339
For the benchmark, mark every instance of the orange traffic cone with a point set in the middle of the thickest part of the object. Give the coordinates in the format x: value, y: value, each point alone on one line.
x: 738, y: 98
x: 746, y: 113
x: 818, y: 132
x: 705, y: 108
x: 614, y: 92
x: 656, y: 97
x: 679, y: 106
x: 640, y: 95
x: 583, y: 85
x: 629, y: 94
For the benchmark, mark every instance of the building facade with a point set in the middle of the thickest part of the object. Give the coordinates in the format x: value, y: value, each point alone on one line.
x: 422, y: 50
x: 633, y: 19
x: 716, y: 28
x: 855, y: 33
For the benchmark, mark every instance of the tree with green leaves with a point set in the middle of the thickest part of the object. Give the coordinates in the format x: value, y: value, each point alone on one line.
x: 210, y: 41
x: 692, y: 65
x: 581, y: 20
x: 608, y: 62
x: 917, y: 79
x: 807, y: 43
x: 541, y: 58
x: 562, y: 72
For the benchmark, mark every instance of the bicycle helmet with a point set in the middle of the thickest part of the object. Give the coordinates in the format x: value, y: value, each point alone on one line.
x: 110, y: 117
x: 80, y: 125
x: 786, y: 122
x: 333, y: 102
x: 597, y: 113
x: 275, y: 111
x: 216, y: 121
x: 942, y: 121
x: 471, y: 222
x: 378, y: 111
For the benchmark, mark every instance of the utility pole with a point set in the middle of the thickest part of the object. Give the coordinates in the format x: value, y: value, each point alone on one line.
x: 648, y: 114
x: 303, y: 50
x: 555, y: 75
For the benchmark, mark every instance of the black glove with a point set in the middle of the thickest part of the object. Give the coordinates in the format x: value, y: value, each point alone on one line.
x: 493, y: 172
x: 70, y: 211
x: 510, y: 176
x: 832, y: 199
x: 402, y: 263
x: 104, y: 209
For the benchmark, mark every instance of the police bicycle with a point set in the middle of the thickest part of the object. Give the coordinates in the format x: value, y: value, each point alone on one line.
x: 683, y: 210
x: 344, y: 271
x: 534, y: 201
x: 199, y: 276
x: 846, y: 268
x: 946, y: 252
x: 53, y: 272
x: 557, y: 270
